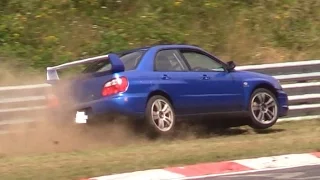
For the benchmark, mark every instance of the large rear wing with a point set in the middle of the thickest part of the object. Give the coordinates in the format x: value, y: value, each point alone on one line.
x: 116, y: 65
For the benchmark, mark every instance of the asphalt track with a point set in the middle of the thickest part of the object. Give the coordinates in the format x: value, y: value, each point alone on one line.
x: 297, y: 173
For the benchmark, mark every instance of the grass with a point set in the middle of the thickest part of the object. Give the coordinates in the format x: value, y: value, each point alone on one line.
x: 235, y: 143
x: 40, y: 33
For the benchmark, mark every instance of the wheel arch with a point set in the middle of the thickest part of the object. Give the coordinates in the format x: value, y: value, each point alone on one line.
x: 161, y: 93
x: 265, y: 85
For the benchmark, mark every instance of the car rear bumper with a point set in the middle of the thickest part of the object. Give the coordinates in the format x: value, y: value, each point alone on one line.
x: 119, y: 105
x: 283, y: 103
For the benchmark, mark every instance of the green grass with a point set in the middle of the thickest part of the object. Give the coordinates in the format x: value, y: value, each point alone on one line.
x: 238, y: 143
x: 38, y: 33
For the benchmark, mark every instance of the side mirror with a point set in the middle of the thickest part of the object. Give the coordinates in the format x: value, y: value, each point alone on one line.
x: 231, y: 65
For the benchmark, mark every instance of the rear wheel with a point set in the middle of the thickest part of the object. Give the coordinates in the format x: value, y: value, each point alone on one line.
x: 263, y: 109
x: 160, y: 116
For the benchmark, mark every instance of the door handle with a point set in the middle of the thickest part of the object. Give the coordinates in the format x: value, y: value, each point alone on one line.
x: 205, y: 77
x: 165, y: 77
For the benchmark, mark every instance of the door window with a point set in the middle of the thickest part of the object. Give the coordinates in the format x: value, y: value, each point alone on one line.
x: 201, y: 62
x: 169, y: 60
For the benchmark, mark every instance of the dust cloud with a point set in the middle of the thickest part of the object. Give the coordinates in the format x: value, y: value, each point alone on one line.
x: 44, y: 136
x: 48, y: 132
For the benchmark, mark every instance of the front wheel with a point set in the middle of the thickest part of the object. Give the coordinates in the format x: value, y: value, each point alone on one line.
x: 160, y: 116
x: 263, y: 109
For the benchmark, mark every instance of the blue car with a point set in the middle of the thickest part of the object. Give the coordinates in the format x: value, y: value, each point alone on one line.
x: 163, y: 83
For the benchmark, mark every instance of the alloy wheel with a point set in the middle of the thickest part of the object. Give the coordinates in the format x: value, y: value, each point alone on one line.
x: 162, y: 115
x: 264, y: 108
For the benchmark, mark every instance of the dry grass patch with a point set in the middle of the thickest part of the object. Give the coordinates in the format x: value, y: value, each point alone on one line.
x: 138, y: 154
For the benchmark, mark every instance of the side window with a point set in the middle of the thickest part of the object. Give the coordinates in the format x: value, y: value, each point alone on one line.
x: 201, y: 62
x: 169, y: 60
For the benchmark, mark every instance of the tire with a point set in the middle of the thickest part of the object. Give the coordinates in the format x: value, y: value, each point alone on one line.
x: 162, y: 123
x: 263, y: 109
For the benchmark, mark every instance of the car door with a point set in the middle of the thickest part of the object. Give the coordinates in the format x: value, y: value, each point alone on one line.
x: 174, y: 78
x: 219, y: 90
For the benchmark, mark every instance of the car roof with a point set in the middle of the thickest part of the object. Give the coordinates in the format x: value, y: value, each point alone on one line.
x: 131, y: 50
x: 157, y: 46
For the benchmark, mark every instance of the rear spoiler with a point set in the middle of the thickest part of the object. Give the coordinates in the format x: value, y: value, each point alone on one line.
x: 116, y: 65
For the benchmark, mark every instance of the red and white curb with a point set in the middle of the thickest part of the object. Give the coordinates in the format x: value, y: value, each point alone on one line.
x: 219, y: 168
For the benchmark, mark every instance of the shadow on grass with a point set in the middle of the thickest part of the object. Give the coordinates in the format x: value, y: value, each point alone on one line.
x: 208, y: 128
x: 267, y: 131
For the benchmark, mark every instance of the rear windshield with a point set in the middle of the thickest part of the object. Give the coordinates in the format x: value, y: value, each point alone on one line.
x: 130, y: 61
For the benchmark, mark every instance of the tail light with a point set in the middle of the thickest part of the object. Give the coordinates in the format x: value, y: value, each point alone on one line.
x: 51, y: 98
x: 52, y: 101
x: 115, y: 86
